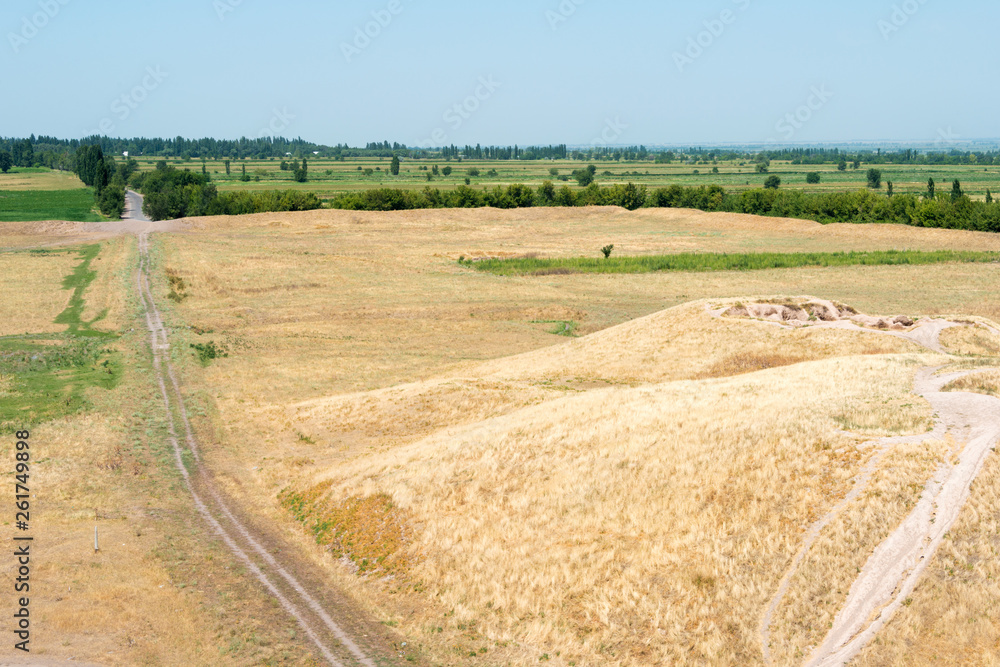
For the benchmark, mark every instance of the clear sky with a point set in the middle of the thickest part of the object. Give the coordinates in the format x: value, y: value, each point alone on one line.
x: 519, y: 71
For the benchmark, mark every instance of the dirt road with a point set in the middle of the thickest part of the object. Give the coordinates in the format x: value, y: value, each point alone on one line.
x: 248, y: 546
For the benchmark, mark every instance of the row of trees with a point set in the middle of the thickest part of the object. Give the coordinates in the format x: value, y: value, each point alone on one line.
x: 952, y: 210
x: 628, y: 196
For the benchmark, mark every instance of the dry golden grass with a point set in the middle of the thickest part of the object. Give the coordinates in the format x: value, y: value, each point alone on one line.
x: 629, y: 525
x: 974, y: 340
x: 648, y: 517
x: 31, y: 294
x: 158, y: 592
x: 820, y: 586
x: 978, y: 383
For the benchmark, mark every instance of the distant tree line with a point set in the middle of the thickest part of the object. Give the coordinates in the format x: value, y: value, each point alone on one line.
x: 952, y: 210
x: 55, y: 153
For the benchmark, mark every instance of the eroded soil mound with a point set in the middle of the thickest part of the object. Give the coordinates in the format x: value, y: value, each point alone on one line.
x: 815, y: 311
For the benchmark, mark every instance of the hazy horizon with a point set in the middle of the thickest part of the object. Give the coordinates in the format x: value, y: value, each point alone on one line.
x: 729, y: 72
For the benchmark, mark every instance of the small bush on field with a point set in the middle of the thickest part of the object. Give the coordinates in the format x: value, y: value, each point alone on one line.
x: 178, y: 288
x: 208, y: 351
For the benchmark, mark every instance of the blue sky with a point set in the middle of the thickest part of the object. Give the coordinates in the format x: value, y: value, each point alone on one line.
x: 518, y: 71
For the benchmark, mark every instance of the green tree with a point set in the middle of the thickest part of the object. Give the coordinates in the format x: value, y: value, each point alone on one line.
x: 547, y: 192
x: 245, y: 177
x: 446, y: 171
x: 874, y: 179
x: 24, y: 153
x: 842, y: 166
x: 302, y: 173
x: 394, y: 167
x: 6, y: 161
x: 772, y: 182
x: 889, y: 185
x: 227, y: 167
x: 989, y: 196
x: 606, y: 250
x: 585, y: 176
x: 956, y: 190
x: 628, y: 196
x: 812, y: 177
x: 930, y: 188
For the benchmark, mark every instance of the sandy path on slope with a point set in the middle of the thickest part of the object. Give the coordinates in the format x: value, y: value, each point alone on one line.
x: 895, y: 567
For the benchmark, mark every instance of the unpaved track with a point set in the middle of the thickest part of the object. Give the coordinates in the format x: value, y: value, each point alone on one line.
x: 894, y: 569
x: 336, y: 647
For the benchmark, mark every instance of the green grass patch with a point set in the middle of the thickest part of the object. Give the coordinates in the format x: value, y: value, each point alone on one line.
x: 562, y: 327
x: 42, y: 379
x: 28, y: 205
x: 700, y: 262
x: 79, y: 281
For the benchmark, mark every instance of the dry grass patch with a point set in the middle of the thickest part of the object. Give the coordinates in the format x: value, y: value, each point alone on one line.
x: 370, y: 531
x: 820, y: 586
x: 627, y: 526
x: 975, y: 340
x: 978, y: 383
x: 31, y: 293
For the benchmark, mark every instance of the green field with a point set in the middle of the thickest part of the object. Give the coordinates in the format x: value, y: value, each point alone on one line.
x: 328, y: 177
x: 720, y: 262
x: 27, y: 205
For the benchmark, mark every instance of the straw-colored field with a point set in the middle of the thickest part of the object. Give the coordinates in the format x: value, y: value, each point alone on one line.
x: 572, y: 469
x: 499, y: 493
x: 159, y: 591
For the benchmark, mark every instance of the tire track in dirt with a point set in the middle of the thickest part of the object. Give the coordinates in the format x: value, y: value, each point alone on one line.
x: 315, y: 621
x: 895, y: 567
